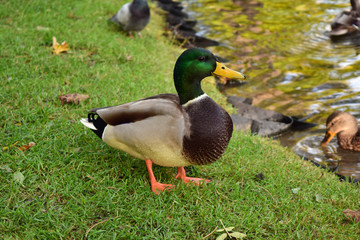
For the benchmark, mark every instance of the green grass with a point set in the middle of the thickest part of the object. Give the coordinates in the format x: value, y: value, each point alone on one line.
x: 75, y: 186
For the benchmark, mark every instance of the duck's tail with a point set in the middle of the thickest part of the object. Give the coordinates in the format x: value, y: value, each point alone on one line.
x: 113, y: 19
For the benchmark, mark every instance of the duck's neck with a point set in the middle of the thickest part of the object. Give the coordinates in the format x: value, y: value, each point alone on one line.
x: 188, y: 87
x: 348, y: 134
x: 139, y: 6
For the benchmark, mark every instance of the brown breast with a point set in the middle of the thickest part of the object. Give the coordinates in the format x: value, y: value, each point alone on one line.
x: 210, y: 132
x: 350, y: 142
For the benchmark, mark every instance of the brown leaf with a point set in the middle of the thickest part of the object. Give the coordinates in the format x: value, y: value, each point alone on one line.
x: 26, y: 147
x: 75, y: 98
x: 72, y: 16
x: 59, y: 48
x: 352, y: 215
x: 128, y: 57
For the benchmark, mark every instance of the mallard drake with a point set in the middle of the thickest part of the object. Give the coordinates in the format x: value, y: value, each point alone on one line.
x: 133, y: 16
x: 345, y: 126
x: 346, y: 22
x: 171, y: 130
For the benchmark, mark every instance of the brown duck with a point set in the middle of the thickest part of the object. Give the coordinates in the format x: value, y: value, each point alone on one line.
x: 345, y: 126
x: 347, y: 21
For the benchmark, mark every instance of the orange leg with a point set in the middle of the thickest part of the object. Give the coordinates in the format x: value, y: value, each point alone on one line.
x: 182, y: 175
x: 156, y: 187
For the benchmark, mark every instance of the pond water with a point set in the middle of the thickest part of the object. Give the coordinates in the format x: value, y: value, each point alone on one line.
x: 292, y: 66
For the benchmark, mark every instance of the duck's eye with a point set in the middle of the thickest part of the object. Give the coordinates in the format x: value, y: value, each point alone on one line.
x: 202, y: 59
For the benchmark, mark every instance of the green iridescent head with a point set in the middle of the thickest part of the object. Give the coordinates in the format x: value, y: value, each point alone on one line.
x: 194, y: 65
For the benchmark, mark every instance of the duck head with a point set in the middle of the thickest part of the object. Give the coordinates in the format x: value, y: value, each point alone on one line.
x: 192, y: 66
x: 340, y: 123
x: 140, y: 7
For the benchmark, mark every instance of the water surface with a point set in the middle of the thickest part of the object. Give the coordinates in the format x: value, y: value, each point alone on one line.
x: 292, y: 65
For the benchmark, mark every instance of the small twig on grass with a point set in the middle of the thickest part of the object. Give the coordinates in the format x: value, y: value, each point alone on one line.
x: 268, y: 192
x: 172, y: 205
x: 225, y: 228
x: 92, y: 178
x: 222, y: 195
x: 211, y: 232
x: 87, y: 231
x: 322, y: 174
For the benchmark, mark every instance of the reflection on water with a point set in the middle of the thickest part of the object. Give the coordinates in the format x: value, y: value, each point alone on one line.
x: 292, y: 65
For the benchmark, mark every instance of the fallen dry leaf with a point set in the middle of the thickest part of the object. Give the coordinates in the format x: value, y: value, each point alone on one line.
x: 128, y: 57
x: 41, y: 28
x: 59, y: 48
x: 75, y: 98
x: 26, y: 147
x: 72, y: 16
x: 352, y: 215
x: 19, y: 177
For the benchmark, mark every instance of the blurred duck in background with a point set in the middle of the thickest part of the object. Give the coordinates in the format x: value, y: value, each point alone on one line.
x: 347, y: 22
x: 133, y: 16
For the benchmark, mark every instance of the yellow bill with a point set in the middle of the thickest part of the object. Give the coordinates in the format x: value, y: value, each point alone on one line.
x: 222, y: 71
x: 327, y: 138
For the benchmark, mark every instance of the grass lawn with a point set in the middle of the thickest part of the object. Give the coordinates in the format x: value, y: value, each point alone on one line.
x: 70, y: 185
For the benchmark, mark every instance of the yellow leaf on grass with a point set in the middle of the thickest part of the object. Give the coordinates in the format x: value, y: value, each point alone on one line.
x: 10, y: 146
x: 59, y: 48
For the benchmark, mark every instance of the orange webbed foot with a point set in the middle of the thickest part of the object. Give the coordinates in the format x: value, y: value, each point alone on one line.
x: 182, y: 175
x: 157, y: 187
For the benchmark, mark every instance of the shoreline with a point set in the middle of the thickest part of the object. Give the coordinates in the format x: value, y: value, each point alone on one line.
x: 71, y: 185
